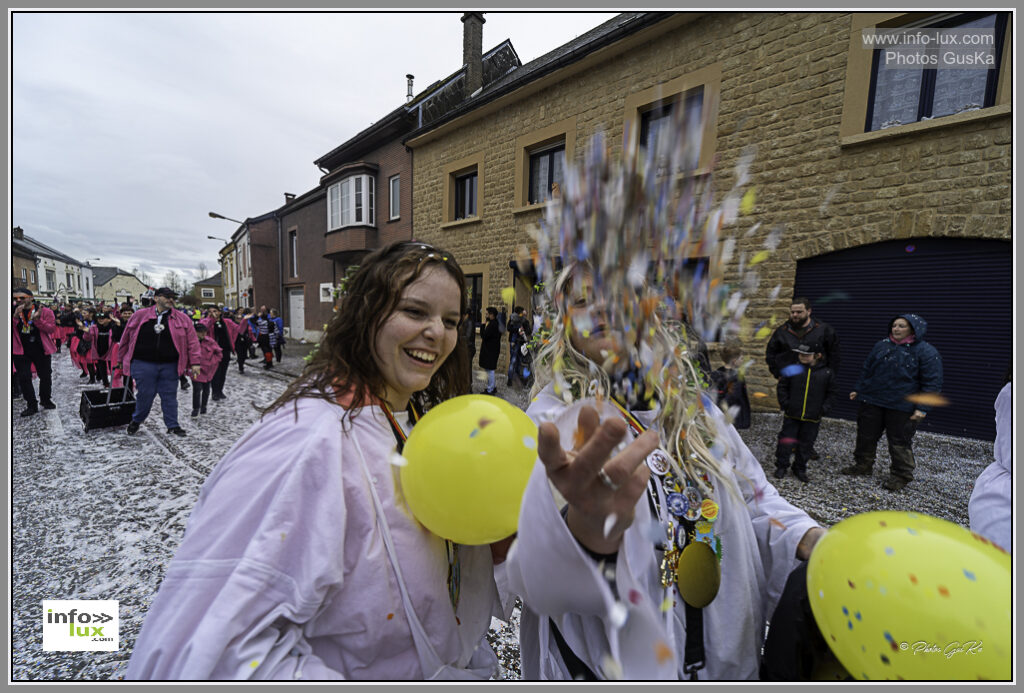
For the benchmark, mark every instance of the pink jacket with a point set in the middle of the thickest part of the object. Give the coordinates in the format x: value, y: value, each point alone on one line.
x: 94, y: 354
x: 183, y: 333
x: 210, y: 353
x: 47, y: 326
x: 233, y: 328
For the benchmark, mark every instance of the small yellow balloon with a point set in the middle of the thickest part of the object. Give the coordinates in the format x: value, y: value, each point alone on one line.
x: 468, y: 461
x: 508, y: 295
x: 901, y: 595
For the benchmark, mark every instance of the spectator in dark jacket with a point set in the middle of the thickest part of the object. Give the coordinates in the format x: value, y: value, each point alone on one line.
x: 801, y: 328
x: 899, y: 368
x: 804, y: 398
x: 519, y: 329
x: 468, y: 335
x: 730, y: 386
x: 490, y: 348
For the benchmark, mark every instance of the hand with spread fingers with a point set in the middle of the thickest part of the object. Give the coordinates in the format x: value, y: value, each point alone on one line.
x: 595, y: 481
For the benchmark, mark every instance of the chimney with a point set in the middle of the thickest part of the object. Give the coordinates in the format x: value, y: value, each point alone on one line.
x: 288, y: 197
x: 473, y: 50
x: 18, y: 233
x: 408, y: 95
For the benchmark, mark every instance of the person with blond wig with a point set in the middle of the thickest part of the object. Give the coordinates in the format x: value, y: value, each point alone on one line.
x: 652, y: 500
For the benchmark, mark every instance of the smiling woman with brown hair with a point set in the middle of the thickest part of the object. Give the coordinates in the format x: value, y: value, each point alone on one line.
x: 301, y: 560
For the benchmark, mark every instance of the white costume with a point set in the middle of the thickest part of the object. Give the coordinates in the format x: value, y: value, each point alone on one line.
x: 991, y: 506
x: 287, y: 567
x: 636, y: 638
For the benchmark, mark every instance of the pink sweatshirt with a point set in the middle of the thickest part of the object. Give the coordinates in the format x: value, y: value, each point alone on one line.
x: 182, y: 333
x: 210, y: 353
x: 47, y: 325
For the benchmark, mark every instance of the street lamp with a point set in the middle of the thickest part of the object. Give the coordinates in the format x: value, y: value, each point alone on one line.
x: 214, y: 215
x: 218, y: 238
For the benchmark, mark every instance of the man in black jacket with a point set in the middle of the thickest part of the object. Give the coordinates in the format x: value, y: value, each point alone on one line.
x: 801, y: 328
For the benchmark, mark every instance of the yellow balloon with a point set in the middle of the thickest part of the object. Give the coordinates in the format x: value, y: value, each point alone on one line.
x: 467, y: 463
x: 901, y: 595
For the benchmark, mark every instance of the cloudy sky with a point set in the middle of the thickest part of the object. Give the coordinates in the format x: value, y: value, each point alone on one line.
x: 128, y: 128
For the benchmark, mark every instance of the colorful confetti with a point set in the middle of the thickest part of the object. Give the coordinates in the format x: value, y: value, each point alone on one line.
x: 928, y: 399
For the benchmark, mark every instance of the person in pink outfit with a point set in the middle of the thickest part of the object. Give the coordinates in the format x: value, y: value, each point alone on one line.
x: 224, y: 332
x: 209, y: 361
x: 158, y: 346
x: 32, y: 345
x: 103, y: 336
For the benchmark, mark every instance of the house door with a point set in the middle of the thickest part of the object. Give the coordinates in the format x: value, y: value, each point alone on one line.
x: 296, y: 313
x: 963, y: 288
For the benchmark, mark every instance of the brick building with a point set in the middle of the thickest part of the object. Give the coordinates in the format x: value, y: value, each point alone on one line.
x: 209, y: 291
x: 23, y: 262
x: 891, y: 199
x: 364, y: 199
x: 116, y: 286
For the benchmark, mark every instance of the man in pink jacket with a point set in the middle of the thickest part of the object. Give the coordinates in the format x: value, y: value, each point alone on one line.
x: 31, y: 345
x: 158, y: 346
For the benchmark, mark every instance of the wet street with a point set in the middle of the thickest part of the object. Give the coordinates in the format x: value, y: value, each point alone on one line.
x: 99, y: 514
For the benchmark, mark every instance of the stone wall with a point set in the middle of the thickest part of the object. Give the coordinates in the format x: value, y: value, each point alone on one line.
x: 783, y: 80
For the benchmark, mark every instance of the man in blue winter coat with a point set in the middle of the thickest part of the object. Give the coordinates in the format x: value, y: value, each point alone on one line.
x: 898, y: 368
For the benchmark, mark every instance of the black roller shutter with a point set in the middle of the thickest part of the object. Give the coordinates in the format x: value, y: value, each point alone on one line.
x: 963, y: 288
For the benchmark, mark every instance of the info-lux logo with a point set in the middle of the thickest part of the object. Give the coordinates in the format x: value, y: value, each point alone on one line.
x: 80, y: 624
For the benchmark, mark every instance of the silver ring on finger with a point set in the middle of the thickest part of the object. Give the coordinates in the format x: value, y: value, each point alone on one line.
x: 607, y: 480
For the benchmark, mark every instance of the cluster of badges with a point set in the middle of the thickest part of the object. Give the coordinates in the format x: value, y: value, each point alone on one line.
x: 685, y: 501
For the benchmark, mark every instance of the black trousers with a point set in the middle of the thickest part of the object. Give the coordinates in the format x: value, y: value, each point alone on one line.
x: 44, y: 370
x: 101, y: 372
x: 200, y: 395
x: 221, y: 374
x: 242, y: 351
x: 264, y: 344
x: 899, y: 430
x: 796, y: 435
x: 277, y: 349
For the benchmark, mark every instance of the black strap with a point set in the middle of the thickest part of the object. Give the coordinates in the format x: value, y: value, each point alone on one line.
x: 577, y: 669
x: 693, y: 656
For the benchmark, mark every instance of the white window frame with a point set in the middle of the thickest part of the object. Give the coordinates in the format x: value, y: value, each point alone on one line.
x: 24, y: 274
x: 394, y: 197
x: 32, y: 276
x: 206, y: 293
x: 350, y: 202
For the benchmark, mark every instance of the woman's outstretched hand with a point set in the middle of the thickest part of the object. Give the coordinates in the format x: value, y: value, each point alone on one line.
x: 595, y: 497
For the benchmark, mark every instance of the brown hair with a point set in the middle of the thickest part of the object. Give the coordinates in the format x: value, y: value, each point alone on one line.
x: 344, y: 360
x: 731, y: 349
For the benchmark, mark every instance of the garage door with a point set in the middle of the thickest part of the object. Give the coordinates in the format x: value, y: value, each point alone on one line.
x: 963, y: 288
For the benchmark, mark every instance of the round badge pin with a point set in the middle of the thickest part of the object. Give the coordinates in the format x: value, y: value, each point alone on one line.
x: 709, y: 509
x: 693, y: 501
x: 677, y: 504
x: 658, y: 462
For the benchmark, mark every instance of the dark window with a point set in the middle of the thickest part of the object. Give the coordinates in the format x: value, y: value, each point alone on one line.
x: 465, y: 196
x: 902, y: 94
x: 293, y: 251
x: 655, y: 125
x: 547, y: 167
x: 475, y: 287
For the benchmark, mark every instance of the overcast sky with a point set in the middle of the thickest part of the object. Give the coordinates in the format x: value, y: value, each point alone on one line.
x: 128, y: 128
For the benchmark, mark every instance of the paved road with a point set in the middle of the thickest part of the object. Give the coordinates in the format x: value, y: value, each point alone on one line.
x: 98, y: 515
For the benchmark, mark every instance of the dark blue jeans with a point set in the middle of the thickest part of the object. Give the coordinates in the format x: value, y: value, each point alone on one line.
x: 152, y: 379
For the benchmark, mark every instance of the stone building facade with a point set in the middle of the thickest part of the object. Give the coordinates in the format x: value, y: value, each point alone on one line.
x: 792, y: 85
